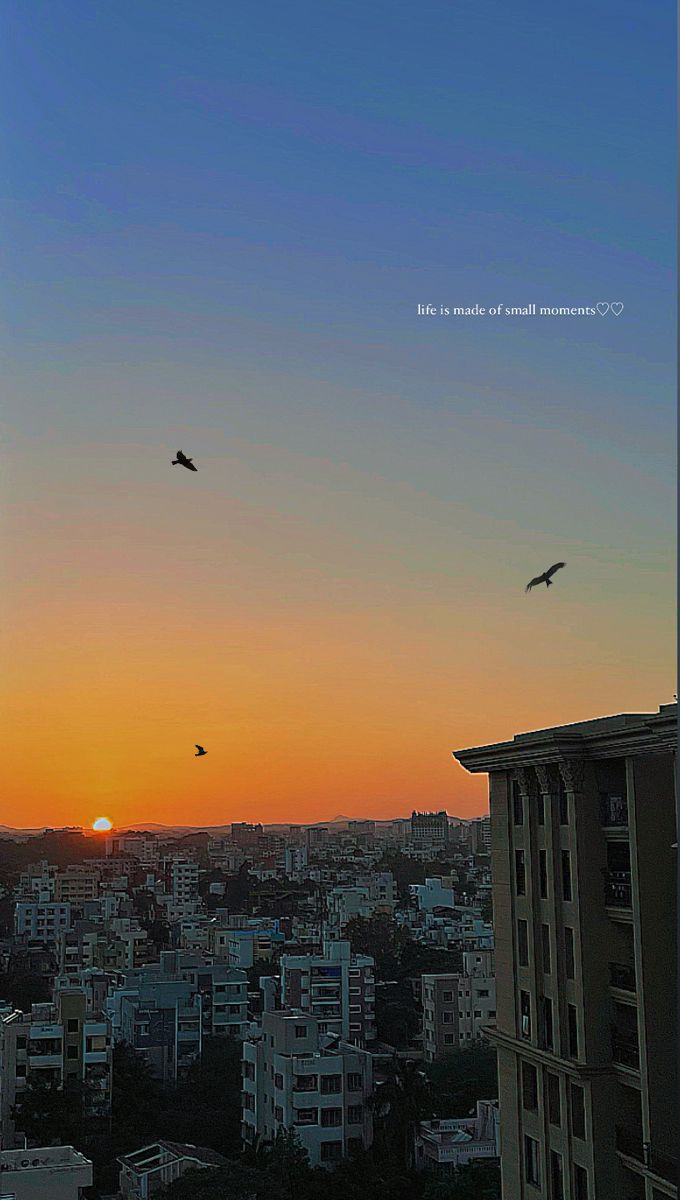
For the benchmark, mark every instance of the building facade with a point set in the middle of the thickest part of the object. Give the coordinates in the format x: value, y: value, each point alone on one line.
x: 457, y: 1007
x: 337, y: 987
x: 583, y: 856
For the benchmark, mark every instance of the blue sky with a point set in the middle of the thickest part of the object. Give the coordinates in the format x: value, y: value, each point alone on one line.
x: 218, y: 221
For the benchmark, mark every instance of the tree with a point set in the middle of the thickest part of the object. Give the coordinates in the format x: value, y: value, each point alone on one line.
x: 402, y: 1100
x: 236, y: 1181
x: 49, y: 1114
x: 472, y: 1181
x: 462, y: 1078
x: 382, y: 939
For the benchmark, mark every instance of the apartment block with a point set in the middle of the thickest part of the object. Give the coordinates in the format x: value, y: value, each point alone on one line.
x: 583, y: 849
x: 295, y: 1077
x: 337, y: 987
x: 54, y: 1172
x: 457, y: 1007
x: 41, y: 920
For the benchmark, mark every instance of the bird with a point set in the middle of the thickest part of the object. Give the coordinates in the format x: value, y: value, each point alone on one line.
x: 183, y: 461
x: 199, y: 751
x: 545, y: 577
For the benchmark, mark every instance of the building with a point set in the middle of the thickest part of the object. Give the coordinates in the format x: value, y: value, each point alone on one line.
x: 337, y: 987
x: 444, y: 1145
x: 430, y: 828
x: 42, y: 919
x: 456, y: 1007
x: 245, y: 835
x: 59, y: 1043
x: 583, y: 855
x: 155, y: 1167
x: 295, y: 1077
x: 57, y: 1172
x: 76, y: 885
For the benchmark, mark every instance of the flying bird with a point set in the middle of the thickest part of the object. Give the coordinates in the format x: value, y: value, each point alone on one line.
x: 545, y: 577
x: 183, y: 461
x: 199, y: 750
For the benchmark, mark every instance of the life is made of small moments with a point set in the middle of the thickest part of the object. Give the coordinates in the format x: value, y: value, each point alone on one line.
x: 601, y: 308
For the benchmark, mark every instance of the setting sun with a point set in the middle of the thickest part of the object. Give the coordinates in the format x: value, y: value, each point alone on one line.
x: 102, y: 824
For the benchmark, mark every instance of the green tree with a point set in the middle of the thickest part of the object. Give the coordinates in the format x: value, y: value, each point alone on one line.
x: 402, y: 1100
x: 462, y: 1078
x: 382, y: 938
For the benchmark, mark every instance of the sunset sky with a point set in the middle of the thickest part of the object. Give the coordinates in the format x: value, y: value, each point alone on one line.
x: 217, y: 223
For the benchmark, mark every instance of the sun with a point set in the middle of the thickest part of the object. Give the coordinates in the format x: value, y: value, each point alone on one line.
x: 102, y: 825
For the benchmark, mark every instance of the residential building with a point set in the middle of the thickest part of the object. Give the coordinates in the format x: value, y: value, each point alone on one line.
x: 456, y: 1007
x: 42, y: 919
x: 54, y: 1172
x: 155, y: 1167
x: 295, y: 1077
x: 430, y: 828
x: 583, y: 850
x: 445, y: 1145
x: 337, y: 987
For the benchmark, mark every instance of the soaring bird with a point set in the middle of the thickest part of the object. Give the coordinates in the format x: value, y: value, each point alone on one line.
x: 199, y: 750
x: 183, y: 461
x: 545, y: 577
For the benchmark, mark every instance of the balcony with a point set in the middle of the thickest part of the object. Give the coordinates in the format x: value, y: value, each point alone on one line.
x: 618, y: 889
x: 622, y: 977
x: 631, y: 1144
x: 613, y: 811
x: 625, y: 1050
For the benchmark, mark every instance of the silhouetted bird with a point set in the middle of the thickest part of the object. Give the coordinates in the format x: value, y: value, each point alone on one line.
x: 183, y: 461
x: 199, y: 750
x: 545, y: 577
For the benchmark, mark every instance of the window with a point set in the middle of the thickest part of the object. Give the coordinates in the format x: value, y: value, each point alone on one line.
x: 580, y: 1183
x: 447, y: 997
x: 540, y: 808
x: 548, y: 1036
x: 331, y: 1151
x: 543, y: 874
x: 556, y: 1176
x: 529, y: 1087
x: 578, y: 1111
x: 306, y: 1116
x: 449, y: 1039
x: 330, y: 1084
x: 517, y: 805
x: 331, y: 1117
x: 21, y: 1070
x: 72, y: 1025
x: 447, y: 1018
x: 305, y: 1083
x: 552, y: 1087
x: 278, y: 1113
x: 532, y: 1162
x: 71, y: 1051
x: 520, y: 873
x: 564, y: 807
x: 21, y: 1043
x: 354, y: 1082
x: 483, y: 992
x: 545, y: 946
x: 525, y: 1014
x: 569, y: 951
x: 572, y: 1029
x: 566, y: 875
x: 300, y: 1031
x: 523, y: 943
x: 278, y: 1081
x: 355, y: 1114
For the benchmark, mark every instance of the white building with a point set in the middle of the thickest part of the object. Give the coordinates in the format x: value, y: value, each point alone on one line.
x: 54, y: 1172
x: 296, y: 1078
x: 42, y: 919
x: 445, y: 1145
x: 456, y: 1007
x: 434, y: 893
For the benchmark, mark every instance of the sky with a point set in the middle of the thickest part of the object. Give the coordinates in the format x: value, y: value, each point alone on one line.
x: 217, y: 223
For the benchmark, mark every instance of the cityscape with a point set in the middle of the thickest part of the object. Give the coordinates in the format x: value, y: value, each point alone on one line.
x: 422, y: 1007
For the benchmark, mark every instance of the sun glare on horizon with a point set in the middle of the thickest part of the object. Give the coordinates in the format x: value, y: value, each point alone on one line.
x: 102, y: 825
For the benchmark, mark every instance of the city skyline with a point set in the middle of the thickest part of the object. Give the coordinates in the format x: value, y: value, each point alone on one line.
x: 219, y: 228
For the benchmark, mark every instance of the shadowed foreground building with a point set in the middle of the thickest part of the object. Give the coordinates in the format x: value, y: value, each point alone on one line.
x: 583, y: 864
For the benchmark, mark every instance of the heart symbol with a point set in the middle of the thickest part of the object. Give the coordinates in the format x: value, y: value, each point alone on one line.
x: 602, y: 308
x: 617, y: 308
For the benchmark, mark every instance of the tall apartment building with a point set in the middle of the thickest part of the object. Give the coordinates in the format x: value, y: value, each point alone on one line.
x: 42, y: 919
x: 583, y: 861
x: 431, y: 828
x: 59, y: 1043
x: 295, y: 1077
x: 76, y: 884
x: 337, y: 987
x: 457, y: 1007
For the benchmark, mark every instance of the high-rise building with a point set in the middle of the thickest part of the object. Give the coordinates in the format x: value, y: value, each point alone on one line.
x: 583, y: 862
x: 294, y: 1077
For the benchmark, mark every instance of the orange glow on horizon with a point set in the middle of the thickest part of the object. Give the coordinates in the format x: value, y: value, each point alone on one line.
x: 102, y: 825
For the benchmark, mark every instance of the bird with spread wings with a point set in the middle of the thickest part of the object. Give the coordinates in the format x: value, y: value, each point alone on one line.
x: 545, y: 577
x: 199, y: 751
x: 183, y: 461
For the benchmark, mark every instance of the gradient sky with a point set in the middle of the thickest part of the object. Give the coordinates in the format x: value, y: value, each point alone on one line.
x: 217, y: 222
